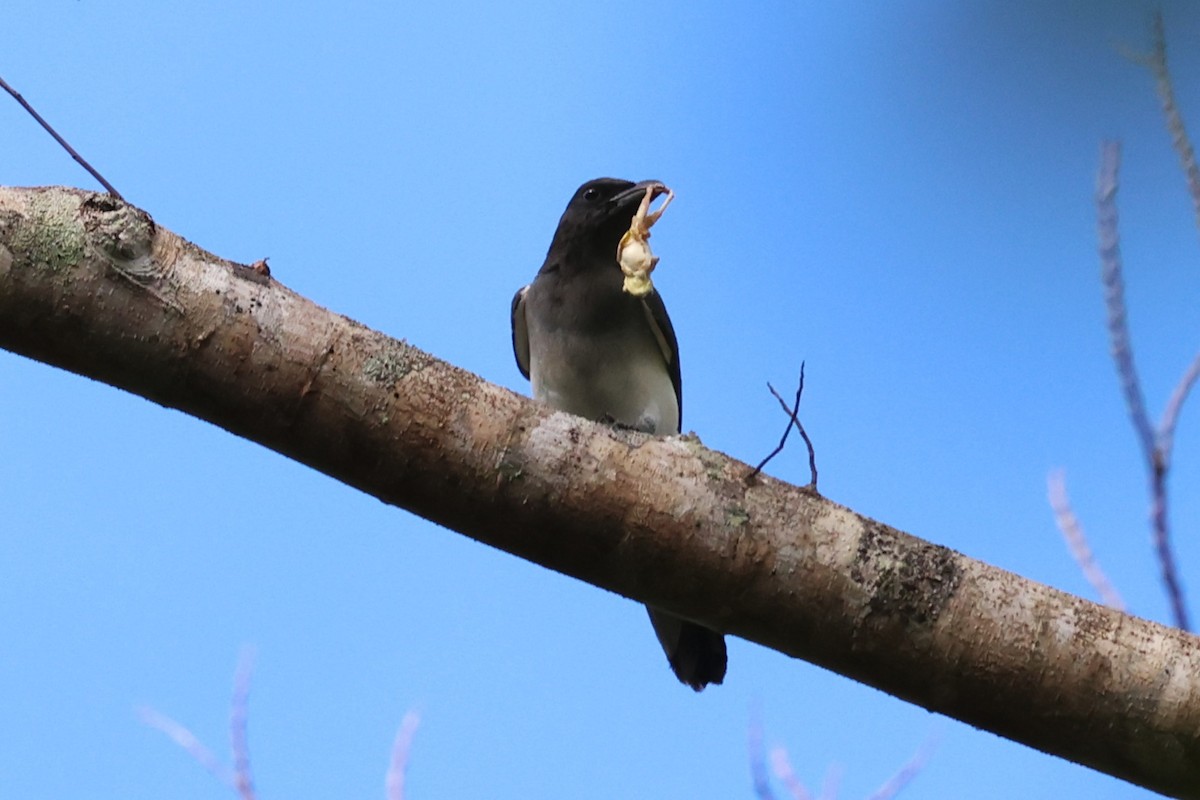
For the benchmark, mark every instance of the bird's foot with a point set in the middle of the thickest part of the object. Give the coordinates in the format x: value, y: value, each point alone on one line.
x: 642, y: 426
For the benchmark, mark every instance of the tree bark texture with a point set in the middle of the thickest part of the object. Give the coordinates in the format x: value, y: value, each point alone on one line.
x: 92, y: 285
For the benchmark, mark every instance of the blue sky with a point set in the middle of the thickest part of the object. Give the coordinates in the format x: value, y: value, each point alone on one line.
x: 899, y: 194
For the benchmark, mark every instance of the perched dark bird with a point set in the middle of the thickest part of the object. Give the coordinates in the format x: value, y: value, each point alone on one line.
x: 591, y: 349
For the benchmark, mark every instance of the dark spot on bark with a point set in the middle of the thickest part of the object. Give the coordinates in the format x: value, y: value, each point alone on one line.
x: 102, y: 202
x: 509, y: 471
x: 907, y: 580
x: 393, y: 363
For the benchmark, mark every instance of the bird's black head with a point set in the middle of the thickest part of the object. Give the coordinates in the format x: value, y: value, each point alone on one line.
x: 598, y: 215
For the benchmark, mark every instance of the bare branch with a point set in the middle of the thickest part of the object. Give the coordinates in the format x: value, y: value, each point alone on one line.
x: 1077, y: 543
x: 662, y: 520
x: 63, y: 142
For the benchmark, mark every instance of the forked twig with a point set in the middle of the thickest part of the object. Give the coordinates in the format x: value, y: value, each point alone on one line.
x: 1156, y: 444
x: 63, y: 142
x: 238, y: 778
x: 793, y: 420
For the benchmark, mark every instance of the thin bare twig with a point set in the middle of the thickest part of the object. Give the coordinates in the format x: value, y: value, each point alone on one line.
x: 238, y: 778
x: 63, y: 142
x: 1157, y: 62
x: 833, y: 780
x: 906, y: 773
x: 1157, y: 457
x: 398, y: 765
x: 758, y: 758
x: 1159, y: 461
x: 243, y: 781
x: 188, y: 741
x: 782, y: 767
x: 812, y: 454
x: 793, y: 420
x: 786, y: 430
x: 1170, y: 417
x: 1114, y: 294
x: 1077, y: 543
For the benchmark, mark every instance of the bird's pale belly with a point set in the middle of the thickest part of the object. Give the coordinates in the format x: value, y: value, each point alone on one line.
x: 625, y: 381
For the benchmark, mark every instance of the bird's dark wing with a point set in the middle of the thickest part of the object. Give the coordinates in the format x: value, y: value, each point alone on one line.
x: 664, y: 332
x: 520, y: 331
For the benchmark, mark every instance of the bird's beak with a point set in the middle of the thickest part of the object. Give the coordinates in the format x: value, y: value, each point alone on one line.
x: 631, y: 197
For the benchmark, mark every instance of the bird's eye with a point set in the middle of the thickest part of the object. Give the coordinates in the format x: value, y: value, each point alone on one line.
x: 591, y: 194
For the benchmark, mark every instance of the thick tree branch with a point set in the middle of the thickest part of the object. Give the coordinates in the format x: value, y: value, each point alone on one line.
x: 94, y: 286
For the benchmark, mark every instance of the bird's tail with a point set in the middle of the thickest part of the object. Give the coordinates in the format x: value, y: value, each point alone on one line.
x: 696, y: 654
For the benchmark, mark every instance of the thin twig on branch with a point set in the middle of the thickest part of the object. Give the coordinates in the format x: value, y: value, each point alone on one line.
x: 793, y: 420
x: 63, y: 142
